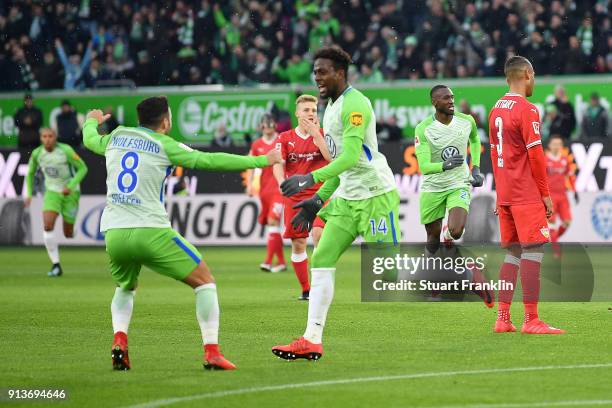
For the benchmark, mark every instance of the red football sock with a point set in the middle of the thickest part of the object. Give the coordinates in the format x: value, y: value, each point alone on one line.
x: 300, y: 266
x: 503, y: 311
x: 531, y: 263
x: 278, y: 248
x: 508, y: 273
x: 271, y: 247
x: 561, y: 231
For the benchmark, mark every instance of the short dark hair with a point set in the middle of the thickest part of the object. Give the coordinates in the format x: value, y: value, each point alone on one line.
x: 152, y: 110
x: 65, y: 102
x: 435, y: 88
x: 514, y: 64
x: 555, y: 136
x: 340, y: 58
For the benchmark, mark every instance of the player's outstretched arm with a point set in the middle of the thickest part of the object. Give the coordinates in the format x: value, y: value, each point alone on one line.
x: 79, y: 165
x: 91, y: 138
x: 183, y: 155
x: 477, y: 177
x: 328, y: 188
x: 32, y: 167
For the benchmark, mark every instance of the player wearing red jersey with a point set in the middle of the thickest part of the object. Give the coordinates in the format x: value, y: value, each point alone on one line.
x: 561, y: 178
x: 269, y: 195
x: 303, y: 150
x: 523, y: 197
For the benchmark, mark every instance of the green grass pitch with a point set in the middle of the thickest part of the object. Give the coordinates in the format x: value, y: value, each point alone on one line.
x: 56, y: 333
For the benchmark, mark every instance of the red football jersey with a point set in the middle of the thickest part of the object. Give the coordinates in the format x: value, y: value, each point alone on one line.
x: 267, y: 183
x: 514, y: 127
x: 558, y: 170
x: 301, y: 156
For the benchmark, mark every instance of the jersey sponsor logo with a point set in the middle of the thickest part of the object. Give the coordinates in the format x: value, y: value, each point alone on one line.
x: 331, y: 145
x: 449, y: 152
x: 76, y: 157
x: 536, y: 127
x: 51, y: 172
x: 356, y: 118
x: 185, y: 147
x: 601, y: 215
x: 292, y: 157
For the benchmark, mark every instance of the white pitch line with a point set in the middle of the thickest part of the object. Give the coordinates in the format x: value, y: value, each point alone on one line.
x: 535, y: 404
x: 280, y: 387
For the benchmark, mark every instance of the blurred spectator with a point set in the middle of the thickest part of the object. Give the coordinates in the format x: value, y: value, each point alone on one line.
x: 29, y: 120
x: 67, y: 125
x: 222, y: 138
x: 552, y: 123
x: 388, y: 131
x: 50, y: 74
x: 73, y: 66
x: 110, y: 124
x: 595, y: 119
x: 565, y: 112
x: 246, y: 42
x: 370, y: 76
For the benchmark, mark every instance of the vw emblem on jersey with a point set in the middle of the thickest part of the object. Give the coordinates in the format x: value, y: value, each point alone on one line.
x: 601, y: 215
x: 449, y: 151
x: 331, y: 146
x: 292, y: 157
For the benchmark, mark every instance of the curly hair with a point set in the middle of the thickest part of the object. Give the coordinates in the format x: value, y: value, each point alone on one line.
x: 340, y: 58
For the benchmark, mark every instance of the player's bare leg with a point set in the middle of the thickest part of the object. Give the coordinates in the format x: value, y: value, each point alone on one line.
x: 457, y: 217
x: 207, y: 312
x: 531, y: 263
x: 316, y: 235
x: 299, y: 260
x: 508, y: 273
x: 68, y: 229
x: 433, y: 229
x: 49, y: 218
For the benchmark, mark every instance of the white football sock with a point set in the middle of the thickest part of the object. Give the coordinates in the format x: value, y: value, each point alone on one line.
x: 121, y: 309
x: 321, y: 296
x: 207, y: 312
x: 51, y: 245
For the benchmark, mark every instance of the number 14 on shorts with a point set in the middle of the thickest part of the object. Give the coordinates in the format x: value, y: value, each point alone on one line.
x: 378, y: 227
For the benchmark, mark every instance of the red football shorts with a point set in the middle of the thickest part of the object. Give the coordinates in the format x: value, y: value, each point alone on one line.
x: 562, y: 208
x: 523, y: 224
x: 290, y: 212
x: 271, y: 207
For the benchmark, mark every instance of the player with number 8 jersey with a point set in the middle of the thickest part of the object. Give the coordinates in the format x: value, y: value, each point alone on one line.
x: 136, y: 226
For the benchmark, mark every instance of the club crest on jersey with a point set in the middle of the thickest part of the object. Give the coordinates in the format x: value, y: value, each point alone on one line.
x: 331, y: 145
x: 601, y: 215
x: 356, y: 118
x: 449, y: 152
x: 536, y: 127
x: 545, y: 232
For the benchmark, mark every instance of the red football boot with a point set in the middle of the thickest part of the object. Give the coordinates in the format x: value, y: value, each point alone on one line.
x: 300, y: 348
x: 536, y: 326
x: 504, y: 326
x: 214, y: 360
x: 119, y: 353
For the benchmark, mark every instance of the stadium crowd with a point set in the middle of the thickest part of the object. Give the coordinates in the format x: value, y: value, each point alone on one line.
x: 81, y: 44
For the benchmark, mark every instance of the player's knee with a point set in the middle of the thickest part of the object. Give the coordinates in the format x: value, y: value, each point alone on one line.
x: 456, y: 231
x: 298, y: 245
x: 316, y: 235
x: 199, y: 276
x: 48, y: 227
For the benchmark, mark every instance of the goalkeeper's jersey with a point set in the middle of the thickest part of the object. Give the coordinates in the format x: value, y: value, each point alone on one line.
x: 138, y: 161
x: 435, y: 142
x: 371, y: 176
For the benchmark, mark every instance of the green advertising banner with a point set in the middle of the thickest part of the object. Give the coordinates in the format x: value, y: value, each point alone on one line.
x: 199, y: 111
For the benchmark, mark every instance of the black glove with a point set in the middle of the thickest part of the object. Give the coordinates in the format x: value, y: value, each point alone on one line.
x: 297, y: 183
x: 576, y: 197
x: 303, y: 220
x: 477, y: 178
x: 452, y: 162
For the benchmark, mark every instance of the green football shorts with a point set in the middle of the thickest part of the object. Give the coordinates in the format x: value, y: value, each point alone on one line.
x: 433, y: 206
x: 375, y: 219
x: 163, y: 250
x: 67, y: 206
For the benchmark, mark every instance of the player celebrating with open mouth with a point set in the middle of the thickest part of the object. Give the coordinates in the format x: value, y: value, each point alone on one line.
x: 366, y: 202
x: 58, y: 162
x: 304, y: 150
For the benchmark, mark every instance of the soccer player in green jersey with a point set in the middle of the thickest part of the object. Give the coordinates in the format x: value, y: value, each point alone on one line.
x: 136, y: 225
x: 441, y: 143
x: 63, y: 171
x: 366, y: 201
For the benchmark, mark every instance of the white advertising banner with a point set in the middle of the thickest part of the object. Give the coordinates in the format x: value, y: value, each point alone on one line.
x: 231, y: 219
